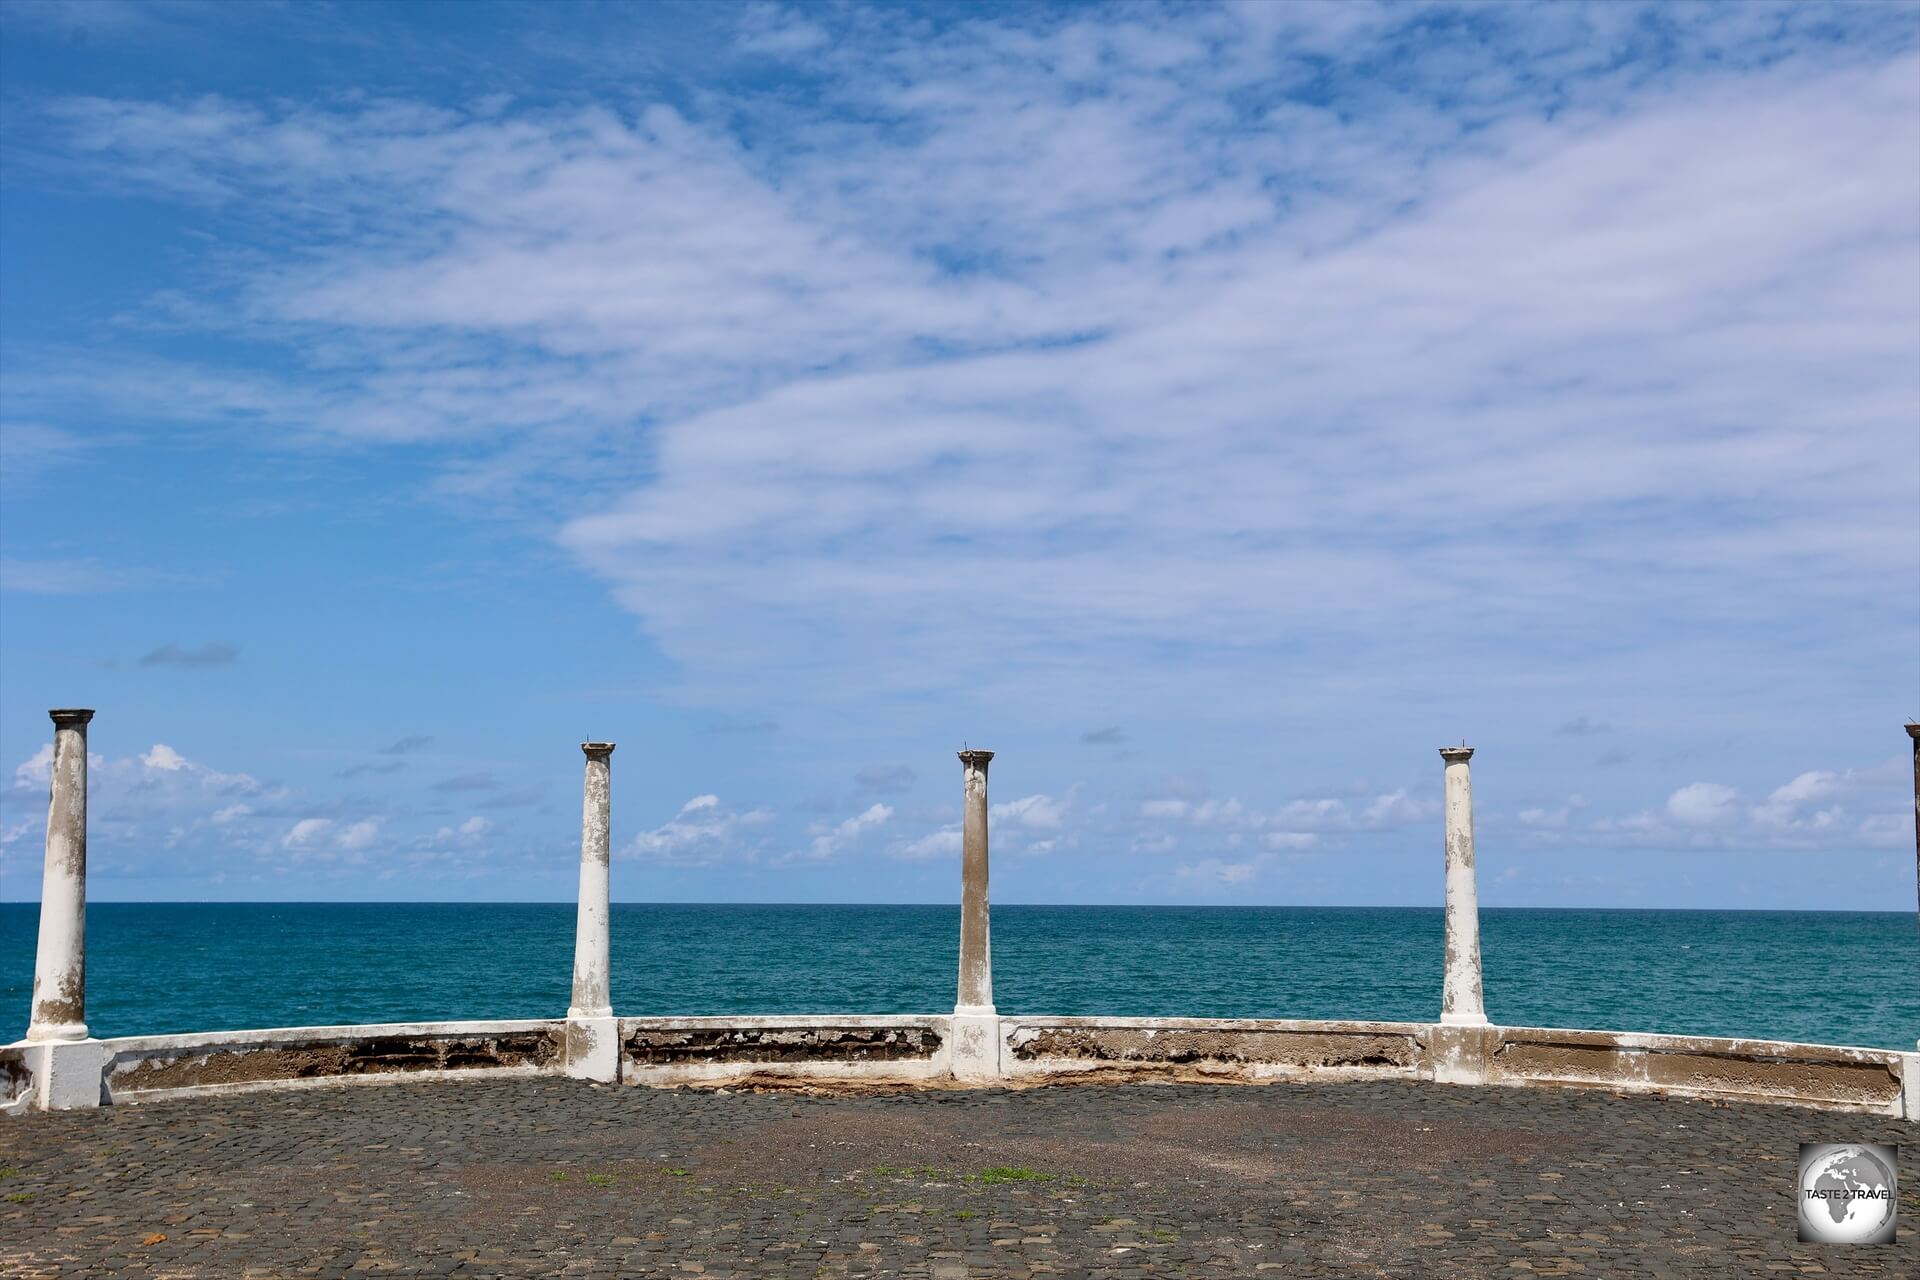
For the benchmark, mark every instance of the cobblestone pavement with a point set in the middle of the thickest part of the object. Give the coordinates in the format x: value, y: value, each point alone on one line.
x: 554, y: 1177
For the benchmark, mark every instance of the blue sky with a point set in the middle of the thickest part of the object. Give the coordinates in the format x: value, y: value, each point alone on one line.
x: 1211, y: 409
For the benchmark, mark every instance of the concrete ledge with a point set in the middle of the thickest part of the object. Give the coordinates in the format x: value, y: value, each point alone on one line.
x: 919, y: 1050
x: 1812, y: 1075
x: 871, y: 1047
x: 139, y: 1068
x: 1229, y: 1048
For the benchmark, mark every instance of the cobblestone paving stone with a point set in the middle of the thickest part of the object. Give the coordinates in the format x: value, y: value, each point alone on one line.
x: 537, y: 1177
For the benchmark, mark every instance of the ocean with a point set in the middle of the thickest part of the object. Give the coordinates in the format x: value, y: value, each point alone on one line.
x: 1829, y: 977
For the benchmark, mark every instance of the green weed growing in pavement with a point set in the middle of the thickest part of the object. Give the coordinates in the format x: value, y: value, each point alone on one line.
x: 600, y: 1179
x: 558, y: 1175
x: 19, y: 1197
x: 8, y: 1172
x: 1010, y: 1173
x: 675, y: 1173
x: 964, y: 1214
x: 1165, y: 1236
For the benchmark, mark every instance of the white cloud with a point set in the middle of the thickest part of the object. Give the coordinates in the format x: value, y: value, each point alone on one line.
x: 829, y: 841
x: 703, y: 832
x: 164, y: 759
x: 1817, y: 809
x: 467, y: 835
x: 36, y: 770
x: 1395, y: 809
x: 359, y: 835
x: 1294, y: 824
x: 1111, y: 431
x: 304, y: 833
x: 1034, y: 360
x: 1703, y: 804
x: 1041, y: 811
x: 944, y: 843
x: 1886, y: 831
x: 776, y: 32
x: 230, y: 813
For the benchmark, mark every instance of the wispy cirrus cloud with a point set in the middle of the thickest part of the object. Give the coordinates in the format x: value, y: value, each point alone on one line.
x: 1270, y: 367
x: 702, y: 833
x: 89, y: 577
x: 1831, y: 809
x: 211, y: 654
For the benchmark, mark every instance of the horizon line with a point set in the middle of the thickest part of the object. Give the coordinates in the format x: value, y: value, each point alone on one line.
x: 954, y: 906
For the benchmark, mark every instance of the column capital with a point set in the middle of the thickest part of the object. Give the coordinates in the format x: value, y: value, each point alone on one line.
x: 1456, y: 755
x: 975, y: 759
x: 64, y: 716
x: 1913, y: 731
x: 597, y: 750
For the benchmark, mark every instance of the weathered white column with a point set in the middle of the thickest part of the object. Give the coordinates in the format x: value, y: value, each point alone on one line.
x: 1913, y: 1078
x: 1459, y: 1046
x: 1913, y: 732
x: 976, y: 1026
x: 593, y: 1034
x: 66, y: 1062
x: 60, y: 965
x: 1460, y: 1004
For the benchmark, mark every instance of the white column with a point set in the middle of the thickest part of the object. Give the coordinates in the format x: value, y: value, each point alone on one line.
x: 976, y: 944
x: 593, y: 1040
x: 1913, y: 732
x: 67, y: 1064
x: 1460, y: 1004
x: 976, y: 1026
x: 60, y: 964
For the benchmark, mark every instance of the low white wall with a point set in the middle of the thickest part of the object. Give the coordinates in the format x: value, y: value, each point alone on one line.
x: 1229, y: 1048
x: 862, y: 1047
x: 1834, y: 1077
x: 143, y: 1067
x: 915, y: 1049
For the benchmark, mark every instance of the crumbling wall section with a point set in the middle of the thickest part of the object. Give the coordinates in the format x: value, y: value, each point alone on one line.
x: 780, y: 1044
x: 148, y: 1066
x: 16, y: 1078
x: 1254, y: 1049
x: 694, y: 1050
x: 1854, y: 1079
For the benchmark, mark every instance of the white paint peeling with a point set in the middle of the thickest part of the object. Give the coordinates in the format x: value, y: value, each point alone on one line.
x: 592, y: 932
x: 1460, y: 1004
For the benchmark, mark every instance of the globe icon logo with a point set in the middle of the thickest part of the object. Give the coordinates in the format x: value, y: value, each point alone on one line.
x: 1848, y: 1193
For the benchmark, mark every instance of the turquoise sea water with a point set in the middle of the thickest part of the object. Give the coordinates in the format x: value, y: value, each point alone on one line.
x: 1831, y: 977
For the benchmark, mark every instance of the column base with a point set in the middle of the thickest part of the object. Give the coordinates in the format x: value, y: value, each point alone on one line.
x: 67, y: 1074
x: 1910, y: 1085
x: 1464, y: 1020
x: 974, y: 1045
x: 1457, y: 1054
x: 593, y: 1049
